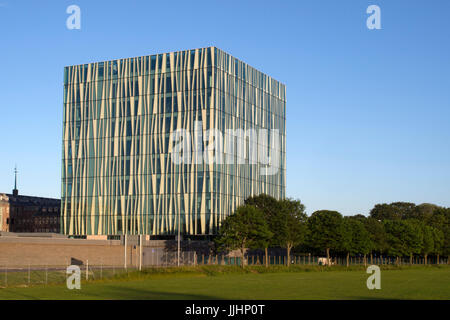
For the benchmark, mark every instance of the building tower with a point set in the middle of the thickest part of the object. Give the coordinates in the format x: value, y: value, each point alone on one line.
x: 15, y: 190
x: 120, y: 119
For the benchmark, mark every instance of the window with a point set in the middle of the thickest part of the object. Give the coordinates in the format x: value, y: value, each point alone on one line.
x: 152, y: 64
x: 100, y: 71
x: 114, y: 69
x: 128, y: 146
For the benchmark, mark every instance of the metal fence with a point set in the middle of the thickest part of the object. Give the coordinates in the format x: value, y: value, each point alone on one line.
x: 318, y: 260
x: 25, y: 276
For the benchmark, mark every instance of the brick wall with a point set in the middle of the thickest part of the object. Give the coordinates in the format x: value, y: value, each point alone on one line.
x: 20, y: 251
x: 44, y: 253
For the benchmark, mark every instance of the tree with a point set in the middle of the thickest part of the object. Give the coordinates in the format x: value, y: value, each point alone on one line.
x: 438, y: 239
x: 325, y: 231
x: 355, y: 238
x: 290, y: 227
x: 245, y: 229
x: 404, y: 237
x: 393, y: 211
x: 377, y: 235
x: 440, y: 220
x: 428, y: 241
x: 424, y: 212
x: 269, y: 206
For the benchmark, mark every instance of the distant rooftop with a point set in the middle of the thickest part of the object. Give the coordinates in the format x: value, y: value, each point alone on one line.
x: 29, y: 200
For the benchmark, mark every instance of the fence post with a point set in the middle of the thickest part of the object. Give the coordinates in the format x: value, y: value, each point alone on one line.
x: 125, y: 252
x: 140, y: 253
x: 309, y: 258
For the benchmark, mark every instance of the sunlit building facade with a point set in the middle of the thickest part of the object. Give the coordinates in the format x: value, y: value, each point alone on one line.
x: 119, y: 139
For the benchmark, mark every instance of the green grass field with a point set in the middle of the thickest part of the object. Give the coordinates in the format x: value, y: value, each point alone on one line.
x: 218, y: 282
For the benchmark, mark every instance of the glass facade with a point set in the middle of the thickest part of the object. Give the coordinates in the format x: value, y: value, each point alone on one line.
x: 120, y: 119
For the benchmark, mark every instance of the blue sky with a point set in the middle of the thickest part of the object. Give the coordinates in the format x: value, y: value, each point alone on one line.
x: 368, y: 111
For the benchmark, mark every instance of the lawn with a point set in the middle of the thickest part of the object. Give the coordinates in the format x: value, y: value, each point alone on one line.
x: 432, y: 282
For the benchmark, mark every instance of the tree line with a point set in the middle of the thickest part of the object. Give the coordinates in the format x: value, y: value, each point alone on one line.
x: 399, y: 229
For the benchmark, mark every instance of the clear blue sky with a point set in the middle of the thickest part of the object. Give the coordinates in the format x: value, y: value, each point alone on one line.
x: 368, y: 111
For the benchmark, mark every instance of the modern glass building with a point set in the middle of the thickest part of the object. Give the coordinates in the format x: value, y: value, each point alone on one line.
x: 126, y: 120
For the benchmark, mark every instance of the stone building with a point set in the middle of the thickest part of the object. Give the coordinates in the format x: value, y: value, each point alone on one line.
x: 29, y: 214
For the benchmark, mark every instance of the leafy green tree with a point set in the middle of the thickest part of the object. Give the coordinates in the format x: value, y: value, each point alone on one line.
x: 377, y: 235
x: 440, y: 220
x: 428, y: 241
x: 424, y: 212
x: 393, y: 211
x: 270, y: 207
x: 290, y: 227
x: 404, y: 237
x: 438, y: 239
x: 355, y: 239
x: 325, y: 231
x: 245, y: 229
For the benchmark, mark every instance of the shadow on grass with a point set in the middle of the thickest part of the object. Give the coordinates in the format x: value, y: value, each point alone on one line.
x: 374, y: 298
x: 123, y: 293
x: 110, y: 293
